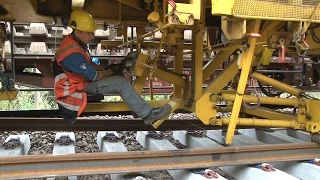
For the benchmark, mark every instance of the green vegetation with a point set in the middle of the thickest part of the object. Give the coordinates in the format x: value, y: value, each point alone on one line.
x: 29, y: 100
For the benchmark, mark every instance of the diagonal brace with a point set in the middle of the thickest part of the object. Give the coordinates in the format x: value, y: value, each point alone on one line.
x: 246, y: 65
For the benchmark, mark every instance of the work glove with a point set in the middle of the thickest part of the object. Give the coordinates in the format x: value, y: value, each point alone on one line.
x: 117, y: 69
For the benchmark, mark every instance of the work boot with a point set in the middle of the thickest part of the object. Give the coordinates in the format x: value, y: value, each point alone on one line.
x: 157, y: 114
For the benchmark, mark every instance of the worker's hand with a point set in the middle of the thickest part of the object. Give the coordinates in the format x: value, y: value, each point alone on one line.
x: 117, y: 69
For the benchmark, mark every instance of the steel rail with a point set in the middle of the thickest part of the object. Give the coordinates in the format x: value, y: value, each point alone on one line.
x: 97, y: 124
x: 39, y: 166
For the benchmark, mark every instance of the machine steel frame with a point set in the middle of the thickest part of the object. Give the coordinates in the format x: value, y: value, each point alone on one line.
x: 249, y: 46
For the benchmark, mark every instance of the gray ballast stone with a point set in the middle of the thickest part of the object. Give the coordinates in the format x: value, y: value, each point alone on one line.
x: 21, y: 149
x: 38, y: 48
x: 8, y: 47
x: 100, y: 32
x: 21, y: 51
x: 38, y: 29
x: 8, y: 29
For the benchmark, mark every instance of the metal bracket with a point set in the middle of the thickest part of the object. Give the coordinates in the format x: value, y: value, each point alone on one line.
x: 111, y: 137
x: 179, y: 18
x: 208, y: 173
x: 155, y: 135
x: 12, y: 143
x: 139, y: 178
x: 195, y: 133
x: 315, y: 161
x: 183, y: 14
x: 64, y: 140
x: 266, y: 167
x: 233, y: 28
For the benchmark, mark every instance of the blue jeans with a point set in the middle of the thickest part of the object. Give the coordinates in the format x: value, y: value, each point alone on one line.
x: 120, y: 85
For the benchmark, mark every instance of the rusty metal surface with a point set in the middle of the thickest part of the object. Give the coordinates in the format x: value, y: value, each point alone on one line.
x: 97, y: 124
x: 35, y: 166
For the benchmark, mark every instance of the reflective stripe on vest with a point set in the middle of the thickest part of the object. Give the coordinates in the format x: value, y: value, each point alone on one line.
x: 69, y: 86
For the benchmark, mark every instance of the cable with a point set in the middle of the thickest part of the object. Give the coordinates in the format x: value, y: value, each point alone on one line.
x: 257, y: 95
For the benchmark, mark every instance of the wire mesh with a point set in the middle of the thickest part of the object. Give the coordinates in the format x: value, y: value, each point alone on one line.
x: 292, y: 10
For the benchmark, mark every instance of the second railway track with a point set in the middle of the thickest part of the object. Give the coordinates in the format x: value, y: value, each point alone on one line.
x: 183, y: 154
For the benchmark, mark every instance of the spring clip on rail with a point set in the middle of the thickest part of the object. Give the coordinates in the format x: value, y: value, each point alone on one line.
x: 12, y: 143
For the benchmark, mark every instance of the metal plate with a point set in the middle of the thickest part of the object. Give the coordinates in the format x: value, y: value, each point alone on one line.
x: 288, y: 10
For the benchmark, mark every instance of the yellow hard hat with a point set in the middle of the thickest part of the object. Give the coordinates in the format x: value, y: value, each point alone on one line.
x: 82, y: 21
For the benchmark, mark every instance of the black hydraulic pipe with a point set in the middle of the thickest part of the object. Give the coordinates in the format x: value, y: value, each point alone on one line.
x: 12, y: 50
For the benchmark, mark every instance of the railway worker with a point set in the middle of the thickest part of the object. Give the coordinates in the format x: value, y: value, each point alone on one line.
x: 76, y: 75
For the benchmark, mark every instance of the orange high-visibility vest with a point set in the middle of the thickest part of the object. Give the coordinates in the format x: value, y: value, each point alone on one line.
x: 68, y: 86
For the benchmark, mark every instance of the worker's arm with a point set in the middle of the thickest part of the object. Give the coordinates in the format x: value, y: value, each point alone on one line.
x: 77, y: 64
x: 96, y: 64
x: 98, y: 67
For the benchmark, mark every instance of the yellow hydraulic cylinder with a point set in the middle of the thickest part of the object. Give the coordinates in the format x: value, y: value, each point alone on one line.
x: 154, y: 18
x: 263, y: 100
x: 263, y: 123
x: 277, y: 84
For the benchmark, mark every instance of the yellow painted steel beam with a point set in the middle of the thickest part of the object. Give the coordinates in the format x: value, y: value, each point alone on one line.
x: 263, y: 100
x: 198, y: 59
x: 169, y: 77
x: 277, y: 84
x: 222, y: 7
x: 314, y: 46
x: 311, y: 17
x: 268, y: 27
x: 132, y: 3
x: 194, y: 7
x: 221, y: 57
x: 313, y: 107
x: 197, y: 30
x: 140, y: 81
x: 205, y: 107
x: 8, y: 95
x: 246, y: 65
x: 141, y: 73
x: 267, y: 113
x: 119, y: 106
x: 223, y: 78
x: 178, y: 68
